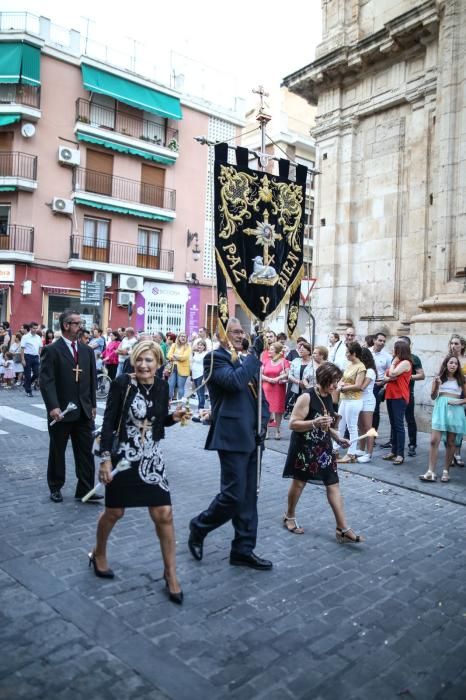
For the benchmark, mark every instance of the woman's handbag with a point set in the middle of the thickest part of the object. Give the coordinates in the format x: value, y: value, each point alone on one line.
x: 17, y: 357
x: 114, y: 452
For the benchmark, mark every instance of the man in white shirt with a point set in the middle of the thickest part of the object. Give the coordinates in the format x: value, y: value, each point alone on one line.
x: 382, y: 360
x: 124, y: 349
x: 339, y: 357
x: 31, y: 346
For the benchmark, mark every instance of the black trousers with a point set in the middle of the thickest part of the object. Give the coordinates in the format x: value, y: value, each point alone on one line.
x: 237, y: 501
x: 411, y: 422
x: 378, y: 401
x: 80, y: 432
x: 31, y: 371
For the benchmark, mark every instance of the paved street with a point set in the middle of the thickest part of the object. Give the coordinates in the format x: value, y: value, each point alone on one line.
x: 384, y: 620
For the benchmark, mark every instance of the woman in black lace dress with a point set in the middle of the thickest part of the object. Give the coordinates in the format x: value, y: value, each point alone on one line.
x: 310, y: 455
x: 137, y: 410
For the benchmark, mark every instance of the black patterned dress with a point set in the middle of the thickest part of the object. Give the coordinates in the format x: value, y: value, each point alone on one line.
x: 145, y: 482
x: 310, y: 455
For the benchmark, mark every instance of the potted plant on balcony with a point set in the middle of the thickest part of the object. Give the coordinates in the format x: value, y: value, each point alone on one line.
x: 173, y: 145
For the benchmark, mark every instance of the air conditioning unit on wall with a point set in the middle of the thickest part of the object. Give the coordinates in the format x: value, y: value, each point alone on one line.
x: 62, y: 206
x: 69, y: 156
x: 123, y: 298
x: 103, y: 277
x: 131, y: 283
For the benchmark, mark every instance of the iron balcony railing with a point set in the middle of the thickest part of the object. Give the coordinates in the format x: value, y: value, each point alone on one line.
x: 27, y: 95
x: 125, y: 123
x: 17, y: 238
x: 127, y: 254
x: 16, y: 164
x: 121, y: 188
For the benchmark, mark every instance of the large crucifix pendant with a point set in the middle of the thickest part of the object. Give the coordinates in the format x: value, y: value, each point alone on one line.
x: 76, y: 371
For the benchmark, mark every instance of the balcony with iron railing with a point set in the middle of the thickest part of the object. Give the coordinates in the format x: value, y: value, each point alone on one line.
x: 16, y: 242
x: 116, y: 129
x: 13, y: 94
x: 18, y: 171
x: 127, y: 258
x: 119, y: 193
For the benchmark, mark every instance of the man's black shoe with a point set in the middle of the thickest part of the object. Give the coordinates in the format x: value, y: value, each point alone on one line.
x: 386, y: 445
x: 95, y: 498
x: 195, y: 543
x: 411, y: 451
x: 28, y: 393
x: 251, y: 560
x: 196, y: 419
x: 56, y: 496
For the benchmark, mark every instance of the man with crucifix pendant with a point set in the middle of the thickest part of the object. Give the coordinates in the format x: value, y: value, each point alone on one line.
x: 68, y: 375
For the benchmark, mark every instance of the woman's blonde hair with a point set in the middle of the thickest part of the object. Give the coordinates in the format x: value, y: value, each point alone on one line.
x: 322, y: 350
x: 146, y: 346
x: 277, y: 349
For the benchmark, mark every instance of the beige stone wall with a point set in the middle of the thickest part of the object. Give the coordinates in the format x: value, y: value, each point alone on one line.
x: 390, y: 252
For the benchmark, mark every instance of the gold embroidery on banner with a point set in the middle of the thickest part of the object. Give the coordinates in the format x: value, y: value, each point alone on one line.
x: 292, y: 319
x: 223, y: 308
x: 290, y: 198
x: 234, y: 194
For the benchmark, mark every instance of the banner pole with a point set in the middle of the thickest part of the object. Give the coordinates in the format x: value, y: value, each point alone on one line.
x: 263, y: 118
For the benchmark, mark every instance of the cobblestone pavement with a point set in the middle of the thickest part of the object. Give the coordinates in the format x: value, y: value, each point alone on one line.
x: 386, y: 619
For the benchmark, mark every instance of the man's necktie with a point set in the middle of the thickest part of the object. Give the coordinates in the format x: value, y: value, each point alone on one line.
x: 75, y: 352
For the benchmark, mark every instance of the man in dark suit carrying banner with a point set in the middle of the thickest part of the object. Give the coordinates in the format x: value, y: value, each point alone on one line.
x: 68, y: 375
x: 234, y: 433
x: 259, y: 224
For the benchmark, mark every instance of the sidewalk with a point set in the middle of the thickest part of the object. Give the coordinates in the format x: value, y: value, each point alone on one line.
x: 405, y: 475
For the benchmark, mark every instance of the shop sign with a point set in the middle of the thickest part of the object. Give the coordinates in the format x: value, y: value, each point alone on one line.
x: 7, y: 273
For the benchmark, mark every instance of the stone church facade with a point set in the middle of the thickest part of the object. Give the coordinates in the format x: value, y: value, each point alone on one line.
x: 389, y: 82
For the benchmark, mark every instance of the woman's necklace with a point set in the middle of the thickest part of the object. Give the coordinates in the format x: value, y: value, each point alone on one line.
x: 146, y: 387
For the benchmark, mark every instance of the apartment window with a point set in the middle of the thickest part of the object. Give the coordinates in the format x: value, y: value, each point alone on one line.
x: 154, y: 128
x: 4, y: 218
x: 102, y: 111
x: 149, y: 248
x: 95, y: 240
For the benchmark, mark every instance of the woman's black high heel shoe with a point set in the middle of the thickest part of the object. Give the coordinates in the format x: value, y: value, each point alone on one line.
x: 108, y: 573
x: 174, y: 597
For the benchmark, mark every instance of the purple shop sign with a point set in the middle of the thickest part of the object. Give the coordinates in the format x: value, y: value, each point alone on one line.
x: 192, y: 310
x: 139, y: 312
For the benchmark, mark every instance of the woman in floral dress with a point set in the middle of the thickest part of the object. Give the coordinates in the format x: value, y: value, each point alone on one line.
x: 137, y: 415
x: 310, y: 455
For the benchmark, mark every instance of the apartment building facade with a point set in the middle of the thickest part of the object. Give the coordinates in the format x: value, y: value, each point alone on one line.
x: 101, y: 180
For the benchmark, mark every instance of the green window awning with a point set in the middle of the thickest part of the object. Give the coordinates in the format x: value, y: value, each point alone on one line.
x: 121, y: 148
x: 9, y: 119
x: 7, y: 188
x: 122, y: 210
x: 19, y: 63
x: 139, y: 96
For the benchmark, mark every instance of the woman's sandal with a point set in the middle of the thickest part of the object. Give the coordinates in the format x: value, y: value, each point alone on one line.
x: 347, y: 459
x: 458, y: 461
x: 398, y: 460
x: 296, y: 530
x: 445, y: 476
x: 342, y: 536
x: 428, y: 476
x: 390, y: 457
x: 278, y: 435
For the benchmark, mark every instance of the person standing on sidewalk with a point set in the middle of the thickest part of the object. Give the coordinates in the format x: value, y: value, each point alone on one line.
x: 68, y: 374
x: 457, y: 347
x: 382, y: 360
x: 397, y: 397
x: 448, y: 419
x: 417, y: 375
x: 234, y: 433
x: 31, y: 347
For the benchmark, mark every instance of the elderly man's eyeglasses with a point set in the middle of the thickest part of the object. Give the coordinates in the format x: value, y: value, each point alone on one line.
x: 74, y: 323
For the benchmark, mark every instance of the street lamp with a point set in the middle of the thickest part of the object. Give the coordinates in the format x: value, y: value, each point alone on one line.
x: 193, y: 236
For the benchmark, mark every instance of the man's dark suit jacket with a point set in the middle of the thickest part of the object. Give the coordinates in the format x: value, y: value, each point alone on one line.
x: 234, y: 407
x: 58, y: 383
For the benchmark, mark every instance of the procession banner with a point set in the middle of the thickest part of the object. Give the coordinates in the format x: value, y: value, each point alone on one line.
x: 259, y: 227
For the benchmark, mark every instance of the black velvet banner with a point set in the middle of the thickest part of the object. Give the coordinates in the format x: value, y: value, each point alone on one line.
x: 259, y: 226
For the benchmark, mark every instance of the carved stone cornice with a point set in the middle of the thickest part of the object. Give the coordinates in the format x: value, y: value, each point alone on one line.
x: 442, y: 308
x: 412, y: 29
